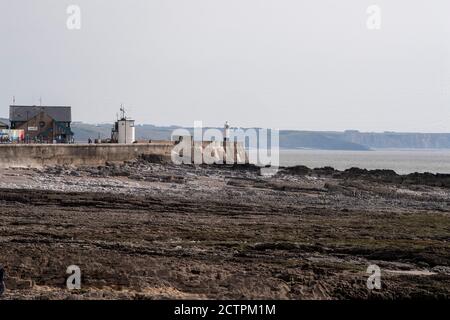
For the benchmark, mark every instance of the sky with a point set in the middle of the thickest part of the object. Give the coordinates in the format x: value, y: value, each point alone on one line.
x: 286, y: 64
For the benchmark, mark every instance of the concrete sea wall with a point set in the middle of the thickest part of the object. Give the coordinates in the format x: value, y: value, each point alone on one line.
x: 39, y: 155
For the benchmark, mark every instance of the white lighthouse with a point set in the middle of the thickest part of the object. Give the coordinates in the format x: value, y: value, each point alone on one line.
x: 226, y: 132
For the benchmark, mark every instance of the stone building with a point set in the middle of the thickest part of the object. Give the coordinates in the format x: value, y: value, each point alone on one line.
x: 42, y: 124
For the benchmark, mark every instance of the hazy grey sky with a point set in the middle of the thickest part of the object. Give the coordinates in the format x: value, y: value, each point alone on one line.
x: 308, y: 65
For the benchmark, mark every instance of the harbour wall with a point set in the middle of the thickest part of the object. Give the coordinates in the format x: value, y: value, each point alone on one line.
x: 39, y: 155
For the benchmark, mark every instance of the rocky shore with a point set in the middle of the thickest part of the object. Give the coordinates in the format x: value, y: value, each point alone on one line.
x: 147, y: 229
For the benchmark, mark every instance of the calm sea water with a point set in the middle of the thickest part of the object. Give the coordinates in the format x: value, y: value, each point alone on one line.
x: 401, y: 161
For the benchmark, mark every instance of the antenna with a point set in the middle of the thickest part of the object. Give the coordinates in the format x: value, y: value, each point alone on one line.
x: 40, y: 101
x: 14, y: 100
x: 122, y: 109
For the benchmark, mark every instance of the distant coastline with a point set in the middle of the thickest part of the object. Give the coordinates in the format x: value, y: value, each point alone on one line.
x: 352, y: 140
x: 292, y: 139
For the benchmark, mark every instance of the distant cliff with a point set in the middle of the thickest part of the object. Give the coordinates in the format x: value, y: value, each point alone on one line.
x: 316, y: 140
x: 397, y: 140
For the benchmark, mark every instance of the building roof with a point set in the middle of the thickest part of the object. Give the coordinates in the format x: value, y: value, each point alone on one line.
x: 23, y: 113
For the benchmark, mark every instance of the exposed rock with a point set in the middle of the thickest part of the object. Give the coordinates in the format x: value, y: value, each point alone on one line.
x: 143, y: 230
x: 13, y: 283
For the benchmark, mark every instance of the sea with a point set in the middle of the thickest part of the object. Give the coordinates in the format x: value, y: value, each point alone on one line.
x: 402, y: 161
